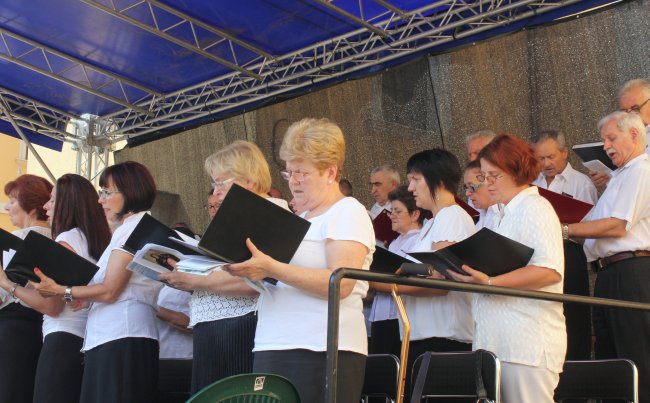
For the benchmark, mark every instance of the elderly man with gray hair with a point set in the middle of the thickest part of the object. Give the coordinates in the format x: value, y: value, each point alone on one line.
x: 633, y: 97
x: 617, y: 239
x: 476, y: 141
x: 383, y: 180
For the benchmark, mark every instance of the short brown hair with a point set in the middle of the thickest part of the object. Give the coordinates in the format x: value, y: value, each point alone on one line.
x: 31, y: 192
x: 514, y: 156
x: 135, y: 183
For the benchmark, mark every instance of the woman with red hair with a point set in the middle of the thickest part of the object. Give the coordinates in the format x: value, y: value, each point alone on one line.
x: 20, y: 326
x: 528, y: 336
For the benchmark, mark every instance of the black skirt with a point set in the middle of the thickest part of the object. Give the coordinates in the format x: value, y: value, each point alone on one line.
x: 21, y: 337
x: 123, y: 370
x: 222, y: 348
x: 60, y: 368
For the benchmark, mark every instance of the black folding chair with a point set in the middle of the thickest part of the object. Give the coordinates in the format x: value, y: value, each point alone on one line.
x: 599, y: 379
x: 382, y: 377
x: 474, y: 375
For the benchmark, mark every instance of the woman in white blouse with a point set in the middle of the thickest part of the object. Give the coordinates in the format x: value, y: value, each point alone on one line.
x: 222, y: 307
x: 440, y: 320
x: 20, y: 326
x: 291, y: 333
x: 79, y: 224
x: 121, y: 340
x: 527, y: 335
x: 407, y: 220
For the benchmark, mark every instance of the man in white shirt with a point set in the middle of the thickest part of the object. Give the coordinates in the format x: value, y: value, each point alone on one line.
x: 383, y: 180
x: 558, y: 176
x: 476, y: 141
x: 617, y: 238
x: 633, y: 97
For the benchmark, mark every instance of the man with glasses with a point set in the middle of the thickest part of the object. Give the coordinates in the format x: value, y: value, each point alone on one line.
x: 633, y: 97
x: 558, y: 176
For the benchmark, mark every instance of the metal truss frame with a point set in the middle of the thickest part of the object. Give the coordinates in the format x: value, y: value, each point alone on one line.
x: 401, y: 34
x: 382, y: 38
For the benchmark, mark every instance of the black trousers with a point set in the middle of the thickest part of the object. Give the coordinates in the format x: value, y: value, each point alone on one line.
x: 625, y: 333
x: 385, y: 337
x: 174, y: 380
x: 21, y: 338
x: 123, y: 370
x: 222, y: 348
x: 60, y: 369
x: 578, y: 316
x: 306, y: 370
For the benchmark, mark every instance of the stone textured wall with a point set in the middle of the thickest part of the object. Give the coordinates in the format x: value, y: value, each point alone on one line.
x: 563, y: 76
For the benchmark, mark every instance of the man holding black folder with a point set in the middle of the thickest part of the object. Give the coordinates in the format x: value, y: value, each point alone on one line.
x: 558, y: 176
x: 617, y: 239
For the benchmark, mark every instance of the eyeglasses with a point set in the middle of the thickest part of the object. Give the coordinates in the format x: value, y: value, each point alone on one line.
x: 210, y: 207
x: 472, y: 188
x: 220, y: 185
x: 636, y: 108
x: 297, y: 175
x: 104, y: 193
x: 490, y: 178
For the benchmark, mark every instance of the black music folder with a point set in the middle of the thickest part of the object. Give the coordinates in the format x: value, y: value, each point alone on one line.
x: 8, y: 241
x: 275, y: 231
x: 385, y: 261
x: 485, y: 251
x: 53, y: 259
x: 150, y: 230
x: 594, y: 152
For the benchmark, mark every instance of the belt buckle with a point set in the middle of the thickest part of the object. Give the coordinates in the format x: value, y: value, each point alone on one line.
x: 600, y: 264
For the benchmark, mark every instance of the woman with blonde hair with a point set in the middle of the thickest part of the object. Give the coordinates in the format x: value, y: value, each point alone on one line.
x: 222, y: 307
x: 340, y: 235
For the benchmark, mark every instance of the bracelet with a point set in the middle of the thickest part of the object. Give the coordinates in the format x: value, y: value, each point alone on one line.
x: 565, y: 231
x: 12, y: 291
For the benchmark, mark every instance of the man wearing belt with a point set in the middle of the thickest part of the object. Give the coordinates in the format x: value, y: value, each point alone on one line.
x: 552, y: 151
x: 617, y: 238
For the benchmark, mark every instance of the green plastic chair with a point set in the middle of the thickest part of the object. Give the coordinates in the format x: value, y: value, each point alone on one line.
x: 248, y: 388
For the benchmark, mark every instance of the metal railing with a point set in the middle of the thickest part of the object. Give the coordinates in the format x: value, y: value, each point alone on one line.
x: 334, y: 301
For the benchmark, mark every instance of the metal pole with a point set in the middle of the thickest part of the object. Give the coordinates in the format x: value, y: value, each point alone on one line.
x: 334, y: 301
x: 28, y: 143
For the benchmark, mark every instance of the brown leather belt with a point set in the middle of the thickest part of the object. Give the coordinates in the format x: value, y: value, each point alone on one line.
x: 609, y: 260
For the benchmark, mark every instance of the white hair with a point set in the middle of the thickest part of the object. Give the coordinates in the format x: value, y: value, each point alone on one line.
x: 640, y: 83
x: 390, y: 171
x: 625, y: 121
x: 485, y: 134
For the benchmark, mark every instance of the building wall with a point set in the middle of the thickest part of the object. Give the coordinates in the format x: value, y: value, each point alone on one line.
x: 10, y: 167
x: 562, y: 76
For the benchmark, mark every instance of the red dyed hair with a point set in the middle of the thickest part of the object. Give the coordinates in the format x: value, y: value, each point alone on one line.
x: 514, y: 156
x: 32, y: 192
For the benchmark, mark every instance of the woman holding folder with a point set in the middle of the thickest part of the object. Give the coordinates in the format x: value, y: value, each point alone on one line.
x: 20, y: 326
x: 121, y: 340
x: 291, y: 333
x: 528, y: 336
x: 222, y: 307
x: 78, y: 223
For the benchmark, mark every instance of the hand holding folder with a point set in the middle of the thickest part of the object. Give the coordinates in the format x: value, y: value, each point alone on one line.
x: 53, y: 259
x: 485, y: 251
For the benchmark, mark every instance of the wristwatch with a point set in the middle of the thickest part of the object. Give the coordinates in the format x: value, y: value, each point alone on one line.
x: 565, y: 231
x: 67, y: 295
